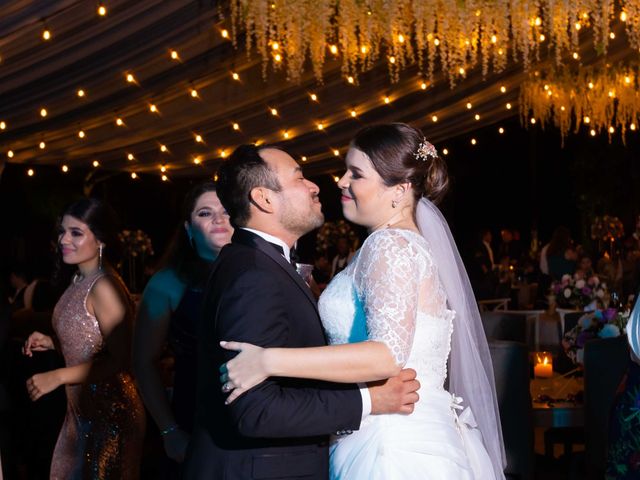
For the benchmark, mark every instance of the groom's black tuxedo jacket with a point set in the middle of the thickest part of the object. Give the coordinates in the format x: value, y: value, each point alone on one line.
x: 279, y: 428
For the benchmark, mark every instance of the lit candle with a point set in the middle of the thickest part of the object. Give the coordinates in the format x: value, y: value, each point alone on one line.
x: 544, y: 365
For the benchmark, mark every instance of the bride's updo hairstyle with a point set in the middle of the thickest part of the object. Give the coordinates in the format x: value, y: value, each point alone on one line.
x: 400, y: 153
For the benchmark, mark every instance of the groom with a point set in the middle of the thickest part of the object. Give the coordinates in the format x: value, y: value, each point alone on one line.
x: 280, y: 428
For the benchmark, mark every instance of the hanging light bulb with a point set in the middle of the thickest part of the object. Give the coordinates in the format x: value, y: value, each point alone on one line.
x: 423, y: 86
x: 130, y: 156
x: 445, y: 151
x: 434, y: 118
x: 508, y: 106
x: 96, y: 164
x: 501, y: 130
x: 42, y: 145
x: 163, y: 168
x: 387, y: 100
x: 354, y: 114
x: 10, y: 154
x: 592, y: 132
x: 174, y: 55
x: 153, y: 108
x: 285, y: 134
x: 235, y: 76
x: 163, y: 148
x: 274, y: 112
x: 80, y: 93
x: 473, y: 141
x: 46, y: 34
x: 197, y: 159
x: 236, y: 126
x: 65, y: 169
x: 102, y: 10
x: 31, y: 172
x: 320, y: 126
x: 224, y: 33
x: 477, y: 116
x: 164, y: 178
x: 81, y: 134
x: 336, y: 153
x: 134, y: 175
x: 130, y: 78
x: 314, y: 97
x: 119, y: 122
x: 350, y: 79
x: 304, y: 159
x: 43, y: 112
x: 469, y: 106
x: 3, y: 125
x: 503, y: 89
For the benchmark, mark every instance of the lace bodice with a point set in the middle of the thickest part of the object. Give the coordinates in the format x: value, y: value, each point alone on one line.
x: 391, y: 293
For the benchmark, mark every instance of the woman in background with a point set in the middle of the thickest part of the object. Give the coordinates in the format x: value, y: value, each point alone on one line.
x: 104, y: 425
x: 169, y: 312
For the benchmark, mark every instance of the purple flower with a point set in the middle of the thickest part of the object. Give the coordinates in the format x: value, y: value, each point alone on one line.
x: 583, y: 337
x: 557, y: 288
x: 586, y: 291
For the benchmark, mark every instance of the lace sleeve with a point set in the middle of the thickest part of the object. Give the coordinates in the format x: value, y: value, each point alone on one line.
x: 387, y: 280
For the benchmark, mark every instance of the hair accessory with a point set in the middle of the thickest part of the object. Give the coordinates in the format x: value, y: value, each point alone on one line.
x: 426, y: 150
x: 100, y: 256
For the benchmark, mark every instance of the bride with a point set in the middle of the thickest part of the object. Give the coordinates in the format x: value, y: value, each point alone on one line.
x: 403, y: 301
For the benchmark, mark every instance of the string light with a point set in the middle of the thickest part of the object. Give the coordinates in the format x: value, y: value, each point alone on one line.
x: 235, y: 76
x: 285, y: 134
x: 164, y: 178
x: 80, y: 93
x: 575, y: 56
x: 400, y: 38
x: 65, y: 169
x: 387, y: 100
x: 392, y: 59
x: 42, y: 145
x: 501, y: 130
x: 81, y: 134
x: 198, y: 138
x: 473, y: 141
x: 96, y: 164
x: 102, y: 10
x: 623, y: 16
x: 612, y: 36
x: 434, y: 118
x: 236, y: 126
x: 130, y: 156
x: 275, y: 45
x: 469, y: 106
x: 134, y: 175
x: 119, y: 122
x: 586, y: 119
x: 354, y: 114
x: 477, y: 116
x: 277, y: 57
x: 350, y: 79
x: 503, y: 89
x: 494, y: 38
x: 163, y: 148
x: 445, y: 151
x: 10, y: 154
x: 542, y: 37
x: 314, y: 97
x: 508, y: 106
x: 274, y: 112
x: 592, y: 132
x: 174, y: 55
x: 3, y: 125
x: 130, y: 78
x: 364, y: 49
x: 197, y: 159
x: 336, y: 178
x: 225, y: 33
x: 336, y: 153
x: 632, y: 126
x: 590, y: 85
x: 533, y: 121
x: 46, y: 34
x: 333, y: 49
x: 163, y: 168
x: 461, y: 71
x: 223, y: 153
x: 320, y: 126
x: 43, y: 112
x: 423, y: 86
x: 612, y: 130
x: 304, y: 159
x: 153, y: 108
x: 30, y: 172
x: 578, y: 25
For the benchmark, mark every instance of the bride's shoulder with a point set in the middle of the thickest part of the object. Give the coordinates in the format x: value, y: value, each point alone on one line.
x: 390, y: 240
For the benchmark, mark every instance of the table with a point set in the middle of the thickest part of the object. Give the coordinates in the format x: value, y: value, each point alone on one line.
x: 558, y: 414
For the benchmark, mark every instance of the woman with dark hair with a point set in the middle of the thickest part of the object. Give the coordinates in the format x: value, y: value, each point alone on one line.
x: 169, y: 311
x: 404, y: 301
x: 103, y: 429
x: 561, y: 257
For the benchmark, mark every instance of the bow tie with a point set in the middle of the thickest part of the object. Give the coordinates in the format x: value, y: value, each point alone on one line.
x: 281, y: 252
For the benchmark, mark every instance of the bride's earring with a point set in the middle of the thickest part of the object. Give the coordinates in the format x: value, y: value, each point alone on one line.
x: 100, y: 256
x: 394, y: 203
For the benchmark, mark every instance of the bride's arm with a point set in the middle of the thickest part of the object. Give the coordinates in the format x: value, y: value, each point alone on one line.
x: 387, y: 280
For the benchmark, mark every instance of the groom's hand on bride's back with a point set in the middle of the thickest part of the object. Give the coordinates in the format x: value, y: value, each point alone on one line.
x: 395, y: 395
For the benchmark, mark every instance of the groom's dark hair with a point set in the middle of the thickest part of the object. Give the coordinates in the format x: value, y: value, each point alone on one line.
x: 242, y: 172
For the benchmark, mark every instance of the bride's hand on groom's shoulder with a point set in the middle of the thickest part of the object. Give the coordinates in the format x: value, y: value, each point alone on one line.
x: 396, y: 394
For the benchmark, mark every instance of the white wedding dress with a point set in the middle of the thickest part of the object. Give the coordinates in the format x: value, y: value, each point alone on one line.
x: 391, y: 293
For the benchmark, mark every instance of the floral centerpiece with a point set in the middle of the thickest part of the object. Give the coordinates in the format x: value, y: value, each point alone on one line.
x: 330, y: 232
x: 606, y: 228
x: 573, y: 291
x: 604, y: 323
x: 137, y: 247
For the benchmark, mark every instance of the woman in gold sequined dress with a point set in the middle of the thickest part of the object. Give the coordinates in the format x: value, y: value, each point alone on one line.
x: 104, y: 426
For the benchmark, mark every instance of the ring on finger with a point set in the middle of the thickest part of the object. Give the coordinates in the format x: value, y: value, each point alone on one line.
x: 227, y: 387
